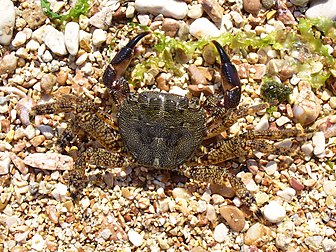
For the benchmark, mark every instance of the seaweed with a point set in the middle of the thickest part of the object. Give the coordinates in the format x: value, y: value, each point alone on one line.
x: 81, y: 7
x: 275, y: 92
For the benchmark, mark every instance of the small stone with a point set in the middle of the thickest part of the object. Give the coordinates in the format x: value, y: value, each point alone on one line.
x: 7, y: 21
x: 210, y: 212
x: 103, y: 18
x: 263, y: 124
x: 195, y: 11
x: 271, y: 167
x: 214, y: 10
x: 257, y: 234
x: 329, y: 187
x: 71, y: 37
x: 48, y: 81
x: 282, y: 121
x: 274, y: 212
x: 38, y: 243
x: 196, y: 75
x: 314, y: 242
x: 307, y: 149
x: 287, y: 194
x: 319, y: 143
x: 202, y: 27
x: 135, y: 238
x: 81, y: 59
x: 53, y: 214
x: 49, y: 161
x: 32, y: 45
x: 220, y: 233
x: 4, y: 163
x: 296, y: 184
x: 37, y: 140
x: 252, y: 6
x: 268, y: 4
x: 170, y: 26
x: 54, y: 40
x: 34, y: 15
x: 328, y: 244
x: 20, y: 39
x: 60, y: 191
x: 99, y: 37
x: 234, y: 216
x: 322, y: 9
x: 180, y: 193
x: 8, y: 64
x: 168, y: 8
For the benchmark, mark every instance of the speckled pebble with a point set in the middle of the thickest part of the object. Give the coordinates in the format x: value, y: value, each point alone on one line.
x: 257, y: 233
x: 8, y: 63
x: 287, y: 194
x: 71, y: 37
x: 54, y: 40
x: 7, y: 21
x: 49, y: 161
x: 234, y: 216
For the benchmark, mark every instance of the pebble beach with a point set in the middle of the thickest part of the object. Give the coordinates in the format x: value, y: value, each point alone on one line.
x: 54, y: 48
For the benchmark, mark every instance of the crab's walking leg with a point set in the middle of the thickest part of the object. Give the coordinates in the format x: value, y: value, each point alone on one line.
x: 87, y: 116
x: 78, y: 180
x: 219, y: 175
x: 243, y: 144
x: 112, y: 78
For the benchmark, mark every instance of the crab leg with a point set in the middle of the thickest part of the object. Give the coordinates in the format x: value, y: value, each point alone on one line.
x: 219, y: 175
x: 112, y: 77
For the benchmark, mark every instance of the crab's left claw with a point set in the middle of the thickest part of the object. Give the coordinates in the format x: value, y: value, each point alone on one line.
x: 230, y: 79
x: 121, y: 60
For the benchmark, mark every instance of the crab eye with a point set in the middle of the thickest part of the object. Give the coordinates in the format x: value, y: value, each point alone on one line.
x: 183, y: 103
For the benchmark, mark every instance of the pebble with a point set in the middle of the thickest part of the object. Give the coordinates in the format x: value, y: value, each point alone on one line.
x: 263, y: 124
x: 328, y: 244
x: 181, y: 193
x: 234, y: 217
x: 71, y: 37
x: 34, y: 15
x: 213, y: 9
x: 307, y: 106
x: 268, y: 3
x: 314, y: 242
x: 24, y: 107
x: 319, y: 143
x: 252, y: 6
x: 307, y: 149
x: 47, y: 82
x: 99, y: 37
x: 287, y: 194
x: 103, y: 18
x: 220, y: 233
x: 202, y: 27
x: 322, y: 9
x: 257, y: 234
x: 168, y: 8
x: 49, y: 161
x: 19, y: 39
x: 274, y: 212
x: 296, y: 184
x: 4, y: 163
x: 135, y: 238
x: 7, y: 21
x: 81, y: 59
x: 271, y: 167
x: 284, y: 234
x: 38, y: 243
x: 170, y: 26
x: 54, y: 40
x: 195, y: 11
x: 8, y: 63
x: 329, y: 187
x: 59, y: 192
x: 32, y: 45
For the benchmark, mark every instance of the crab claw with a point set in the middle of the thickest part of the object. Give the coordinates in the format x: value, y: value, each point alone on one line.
x: 121, y: 60
x: 230, y: 79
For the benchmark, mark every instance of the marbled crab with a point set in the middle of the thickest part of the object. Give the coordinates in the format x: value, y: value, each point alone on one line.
x: 164, y: 131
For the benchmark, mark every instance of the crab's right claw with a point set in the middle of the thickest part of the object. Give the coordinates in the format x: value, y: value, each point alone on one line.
x: 121, y: 60
x: 230, y: 79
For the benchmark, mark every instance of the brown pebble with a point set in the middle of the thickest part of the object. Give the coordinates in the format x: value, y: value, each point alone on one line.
x: 257, y: 235
x: 296, y: 184
x: 234, y: 217
x: 162, y: 82
x: 213, y: 9
x: 252, y: 6
x: 37, y: 140
x: 170, y: 26
x: 197, y: 89
x: 196, y: 75
x: 225, y: 191
x: 18, y: 162
x: 52, y: 214
x: 48, y: 81
x: 62, y: 76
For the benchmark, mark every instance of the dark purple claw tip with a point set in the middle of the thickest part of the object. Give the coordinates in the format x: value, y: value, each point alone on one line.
x: 222, y: 54
x: 132, y: 43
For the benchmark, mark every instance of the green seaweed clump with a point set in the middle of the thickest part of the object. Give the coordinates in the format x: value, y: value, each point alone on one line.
x: 275, y: 92
x: 81, y: 7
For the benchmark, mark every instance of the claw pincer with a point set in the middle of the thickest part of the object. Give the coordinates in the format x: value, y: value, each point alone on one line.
x: 230, y: 79
x: 121, y: 60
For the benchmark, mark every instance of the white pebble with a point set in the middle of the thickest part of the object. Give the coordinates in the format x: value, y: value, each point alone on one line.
x: 322, y: 9
x: 195, y: 11
x: 7, y: 21
x: 38, y: 243
x: 307, y: 149
x: 49, y: 161
x: 19, y: 39
x: 47, y: 57
x: 81, y: 59
x: 220, y: 232
x: 180, y: 193
x: 85, y: 203
x: 32, y: 45
x: 54, y: 39
x: 168, y: 8
x: 329, y: 187
x: 71, y: 37
x: 59, y: 192
x: 202, y: 27
x: 135, y: 238
x: 287, y: 194
x: 263, y: 124
x: 274, y: 212
x: 4, y: 163
x: 319, y: 143
x: 282, y: 120
x: 98, y: 37
x: 271, y: 167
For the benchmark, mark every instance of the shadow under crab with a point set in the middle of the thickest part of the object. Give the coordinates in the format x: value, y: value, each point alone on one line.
x: 163, y: 130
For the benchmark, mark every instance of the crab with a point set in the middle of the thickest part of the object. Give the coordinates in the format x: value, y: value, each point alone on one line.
x: 163, y: 130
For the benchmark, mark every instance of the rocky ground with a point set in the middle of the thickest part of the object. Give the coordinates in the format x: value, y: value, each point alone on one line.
x: 45, y: 56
